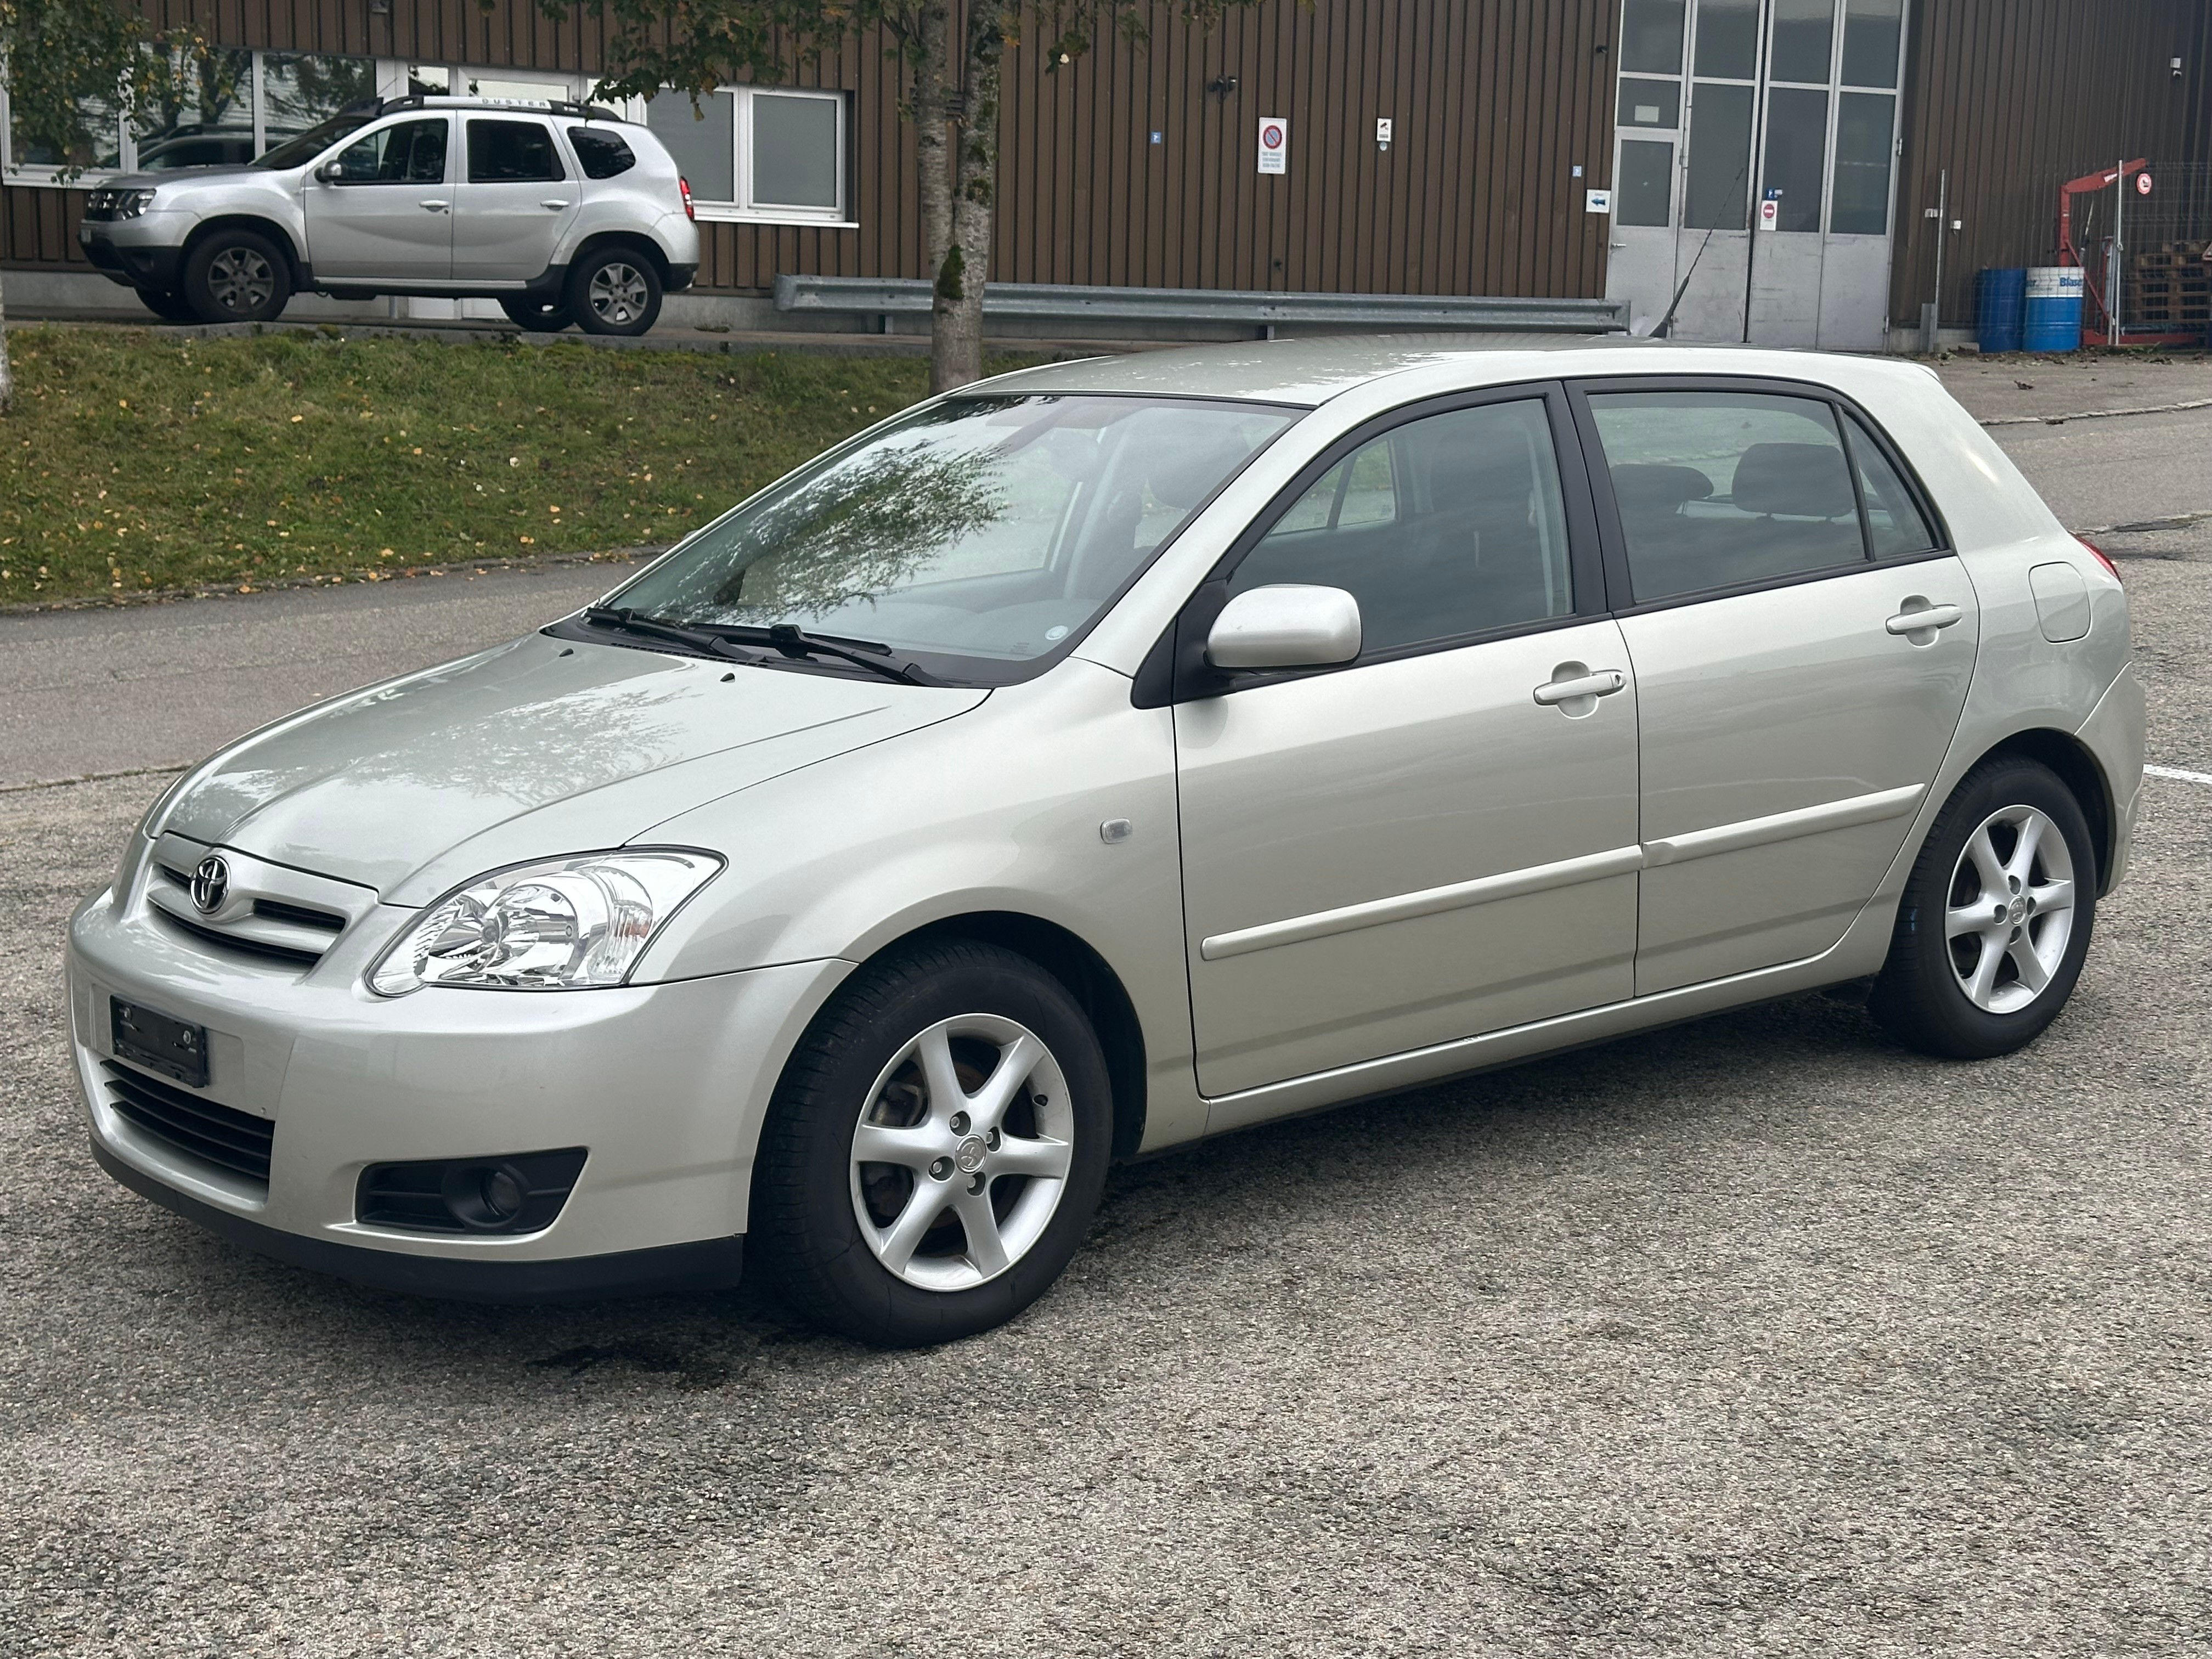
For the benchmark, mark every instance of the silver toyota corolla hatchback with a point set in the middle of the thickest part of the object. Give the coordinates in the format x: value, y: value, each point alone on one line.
x: 1101, y: 757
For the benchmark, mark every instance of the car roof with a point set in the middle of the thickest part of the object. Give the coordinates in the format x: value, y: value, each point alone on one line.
x: 1308, y: 372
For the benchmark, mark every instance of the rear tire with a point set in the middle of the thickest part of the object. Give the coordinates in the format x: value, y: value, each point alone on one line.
x: 535, y: 316
x: 237, y: 276
x: 169, y: 307
x: 1996, y: 918
x: 973, y: 1078
x: 614, y: 291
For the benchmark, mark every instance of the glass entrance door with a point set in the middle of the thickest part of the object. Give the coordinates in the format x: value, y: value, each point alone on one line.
x: 1752, y: 169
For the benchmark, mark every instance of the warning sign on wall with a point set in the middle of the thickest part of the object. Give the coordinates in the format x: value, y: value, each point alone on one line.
x: 1274, y: 144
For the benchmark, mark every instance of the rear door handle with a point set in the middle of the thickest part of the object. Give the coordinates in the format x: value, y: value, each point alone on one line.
x: 1925, y: 620
x: 1601, y: 684
x: 437, y: 207
x: 552, y: 204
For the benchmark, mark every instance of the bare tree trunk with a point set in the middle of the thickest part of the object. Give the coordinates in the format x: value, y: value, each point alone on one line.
x: 956, y: 351
x: 931, y: 77
x: 7, y: 374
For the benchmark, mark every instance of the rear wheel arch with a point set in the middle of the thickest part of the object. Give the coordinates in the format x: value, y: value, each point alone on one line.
x: 2079, y: 770
x: 606, y: 241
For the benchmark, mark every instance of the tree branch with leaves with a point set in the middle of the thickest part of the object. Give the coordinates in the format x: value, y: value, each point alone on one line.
x: 952, y: 64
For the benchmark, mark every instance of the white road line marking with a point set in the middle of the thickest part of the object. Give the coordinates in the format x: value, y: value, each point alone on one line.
x: 2177, y: 774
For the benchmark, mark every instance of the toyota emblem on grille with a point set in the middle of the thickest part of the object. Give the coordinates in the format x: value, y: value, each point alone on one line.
x: 210, y: 884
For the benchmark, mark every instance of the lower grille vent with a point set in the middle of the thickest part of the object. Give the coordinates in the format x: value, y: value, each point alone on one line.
x: 215, y: 1134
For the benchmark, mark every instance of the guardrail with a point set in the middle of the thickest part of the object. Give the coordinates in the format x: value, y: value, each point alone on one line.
x: 887, y: 297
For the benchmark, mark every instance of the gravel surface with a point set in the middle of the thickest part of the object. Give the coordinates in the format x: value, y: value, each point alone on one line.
x: 1756, y: 1335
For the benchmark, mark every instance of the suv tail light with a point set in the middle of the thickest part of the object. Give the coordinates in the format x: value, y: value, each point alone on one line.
x: 2103, y: 557
x: 683, y: 185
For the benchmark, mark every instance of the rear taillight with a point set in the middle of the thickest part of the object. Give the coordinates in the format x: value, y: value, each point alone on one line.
x: 683, y: 185
x: 2103, y: 557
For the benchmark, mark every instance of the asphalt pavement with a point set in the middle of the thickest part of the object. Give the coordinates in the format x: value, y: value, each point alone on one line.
x: 1756, y: 1335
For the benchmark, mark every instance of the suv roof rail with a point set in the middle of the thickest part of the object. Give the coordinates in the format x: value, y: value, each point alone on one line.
x: 466, y: 100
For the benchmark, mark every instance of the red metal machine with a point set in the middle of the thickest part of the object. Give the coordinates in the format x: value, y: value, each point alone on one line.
x: 2071, y: 255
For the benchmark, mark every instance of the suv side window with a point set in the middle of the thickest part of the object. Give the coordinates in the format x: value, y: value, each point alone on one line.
x: 601, y: 153
x: 511, y: 152
x: 1718, y: 489
x: 410, y: 153
x: 1452, y: 524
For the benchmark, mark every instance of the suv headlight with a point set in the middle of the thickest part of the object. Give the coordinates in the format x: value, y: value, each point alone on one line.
x: 558, y: 925
x: 129, y: 203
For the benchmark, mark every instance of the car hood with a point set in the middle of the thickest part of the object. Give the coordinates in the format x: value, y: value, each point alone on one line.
x: 185, y: 175
x: 530, y: 749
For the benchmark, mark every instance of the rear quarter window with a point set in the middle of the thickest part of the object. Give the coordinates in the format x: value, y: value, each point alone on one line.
x: 601, y: 153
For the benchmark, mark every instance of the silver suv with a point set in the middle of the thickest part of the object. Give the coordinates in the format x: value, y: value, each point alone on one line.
x: 562, y: 212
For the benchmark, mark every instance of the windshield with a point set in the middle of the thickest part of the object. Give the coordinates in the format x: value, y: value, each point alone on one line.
x: 297, y: 152
x: 981, y: 528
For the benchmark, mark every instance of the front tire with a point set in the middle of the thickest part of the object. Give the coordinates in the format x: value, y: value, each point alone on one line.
x: 237, y: 276
x: 1996, y: 918
x: 535, y: 316
x: 936, y: 1148
x: 616, y: 291
x: 169, y: 307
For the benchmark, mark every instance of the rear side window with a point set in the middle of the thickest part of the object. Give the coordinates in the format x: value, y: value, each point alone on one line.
x: 511, y: 152
x: 1895, y: 524
x: 1449, y: 525
x: 411, y: 153
x: 602, y: 155
x: 1718, y: 489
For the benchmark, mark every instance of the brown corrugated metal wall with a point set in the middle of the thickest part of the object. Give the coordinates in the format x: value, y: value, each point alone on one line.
x: 2014, y: 96
x: 1494, y: 101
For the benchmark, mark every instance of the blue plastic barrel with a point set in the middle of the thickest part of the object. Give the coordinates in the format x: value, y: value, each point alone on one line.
x: 2052, y: 311
x: 2000, y: 300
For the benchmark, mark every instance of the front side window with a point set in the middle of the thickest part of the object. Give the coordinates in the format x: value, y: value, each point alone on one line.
x: 1449, y: 525
x: 511, y: 152
x: 411, y: 153
x: 978, y: 533
x: 1718, y: 489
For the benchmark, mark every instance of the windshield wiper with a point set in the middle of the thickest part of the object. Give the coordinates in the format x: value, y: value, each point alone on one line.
x: 624, y: 620
x: 794, y: 642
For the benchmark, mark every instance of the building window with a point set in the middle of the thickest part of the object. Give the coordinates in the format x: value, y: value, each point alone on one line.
x: 228, y: 107
x: 774, y: 153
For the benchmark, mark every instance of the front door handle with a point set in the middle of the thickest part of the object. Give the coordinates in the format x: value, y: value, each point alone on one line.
x: 1600, y: 683
x: 437, y: 207
x: 1924, y: 619
x: 550, y: 203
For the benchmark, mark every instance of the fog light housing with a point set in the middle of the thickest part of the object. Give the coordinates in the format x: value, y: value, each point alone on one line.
x: 512, y: 1193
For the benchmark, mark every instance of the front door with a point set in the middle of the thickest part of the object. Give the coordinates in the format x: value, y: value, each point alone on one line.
x: 1794, y: 714
x: 1752, y: 171
x: 1428, y: 843
x: 516, y: 200
x: 386, y: 211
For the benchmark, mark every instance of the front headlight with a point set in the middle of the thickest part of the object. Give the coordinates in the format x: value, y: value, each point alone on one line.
x: 559, y: 925
x: 129, y: 203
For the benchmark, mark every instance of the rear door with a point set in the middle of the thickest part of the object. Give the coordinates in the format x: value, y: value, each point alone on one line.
x: 1416, y: 846
x: 1769, y: 556
x: 517, y: 198
x: 386, y: 211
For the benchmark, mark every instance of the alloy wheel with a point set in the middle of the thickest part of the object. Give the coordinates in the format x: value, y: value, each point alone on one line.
x: 618, y: 293
x: 963, y: 1151
x: 240, y: 279
x: 2010, y: 910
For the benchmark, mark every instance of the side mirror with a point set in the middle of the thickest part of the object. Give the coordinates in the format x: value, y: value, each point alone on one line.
x: 328, y: 173
x: 1287, y: 626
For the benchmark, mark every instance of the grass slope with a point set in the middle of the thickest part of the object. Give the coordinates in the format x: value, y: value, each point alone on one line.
x: 137, y: 462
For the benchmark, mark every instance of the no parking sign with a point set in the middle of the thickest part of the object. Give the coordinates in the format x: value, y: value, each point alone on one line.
x: 1274, y: 144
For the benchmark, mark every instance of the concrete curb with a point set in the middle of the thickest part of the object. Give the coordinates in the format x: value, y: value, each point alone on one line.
x: 2095, y: 414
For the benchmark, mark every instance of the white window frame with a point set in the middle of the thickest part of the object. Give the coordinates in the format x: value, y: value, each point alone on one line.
x: 746, y: 208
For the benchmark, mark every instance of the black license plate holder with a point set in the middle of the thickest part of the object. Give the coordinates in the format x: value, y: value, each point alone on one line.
x: 154, y: 1039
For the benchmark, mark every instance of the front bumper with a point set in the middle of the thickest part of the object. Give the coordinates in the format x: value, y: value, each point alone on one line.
x: 146, y: 252
x: 664, y: 1085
